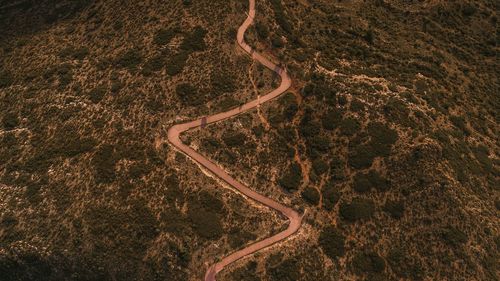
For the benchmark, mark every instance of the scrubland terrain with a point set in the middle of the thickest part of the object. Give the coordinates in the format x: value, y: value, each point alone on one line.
x: 388, y: 139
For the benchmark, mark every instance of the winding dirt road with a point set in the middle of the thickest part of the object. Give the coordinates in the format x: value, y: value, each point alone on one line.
x: 176, y: 130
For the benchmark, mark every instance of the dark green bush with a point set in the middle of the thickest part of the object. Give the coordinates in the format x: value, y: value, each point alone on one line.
x: 129, y: 59
x: 337, y: 168
x: 292, y: 178
x: 361, y: 156
x: 205, y: 223
x: 287, y: 270
x: 367, y: 263
x: 262, y: 30
x: 397, y: 111
x: 76, y: 53
x: 64, y: 73
x: 369, y: 36
x: 309, y: 129
x: 290, y: 105
x: 98, y: 93
x: 163, y: 36
x: 10, y: 121
x: 281, y: 18
x: 381, y: 138
x: 319, y: 143
x: 194, y: 41
x: 237, y: 139
x: 330, y: 196
x: 454, y: 236
x: 222, y: 82
x: 188, y: 94
x: 276, y: 41
x: 403, y: 264
x: 152, y: 65
x: 349, y: 126
x: 311, y: 195
x: 6, y: 79
x: 357, y: 105
x: 319, y: 166
x: 104, y: 164
x: 459, y: 122
x: 331, y: 120
x: 332, y: 242
x: 358, y: 209
x: 176, y: 63
x: 210, y: 202
x: 364, y: 182
x: 228, y: 103
x: 395, y: 209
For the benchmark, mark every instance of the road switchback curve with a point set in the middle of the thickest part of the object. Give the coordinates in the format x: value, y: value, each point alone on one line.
x: 173, y: 136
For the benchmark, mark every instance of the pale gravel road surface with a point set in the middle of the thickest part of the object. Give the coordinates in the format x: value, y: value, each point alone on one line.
x: 176, y: 130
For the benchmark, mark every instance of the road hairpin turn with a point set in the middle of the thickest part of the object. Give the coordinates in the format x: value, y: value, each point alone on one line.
x: 173, y: 137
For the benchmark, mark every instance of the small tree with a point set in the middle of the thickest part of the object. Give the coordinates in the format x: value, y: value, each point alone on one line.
x: 332, y: 242
x: 311, y: 195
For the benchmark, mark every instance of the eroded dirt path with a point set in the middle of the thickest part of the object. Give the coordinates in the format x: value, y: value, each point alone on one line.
x: 173, y: 137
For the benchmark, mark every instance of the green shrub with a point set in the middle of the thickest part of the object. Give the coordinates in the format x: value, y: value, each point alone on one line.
x: 287, y: 270
x: 176, y: 63
x: 332, y: 242
x: 211, y: 202
x: 358, y: 209
x: 205, y: 223
x: 290, y: 105
x: 163, y: 36
x: 364, y: 182
x: 369, y: 36
x: 361, y: 183
x: 281, y: 18
x: 292, y: 178
x: 331, y: 120
x: 262, y: 30
x: 319, y: 143
x: 232, y: 140
x: 367, y: 263
x: 129, y: 59
x: 10, y: 121
x: 403, y: 264
x: 222, y: 82
x: 357, y: 105
x: 98, y: 93
x: 361, y: 156
x: 277, y: 42
x: 337, y: 168
x: 104, y: 164
x: 76, y: 53
x: 6, y: 79
x: 397, y: 111
x: 309, y: 129
x: 381, y: 138
x: 152, y: 65
x: 64, y: 73
x: 454, y: 236
x: 319, y: 166
x: 194, y: 41
x: 459, y: 122
x: 330, y: 196
x: 311, y: 195
x: 228, y: 103
x: 188, y: 94
x: 395, y: 209
x: 349, y: 126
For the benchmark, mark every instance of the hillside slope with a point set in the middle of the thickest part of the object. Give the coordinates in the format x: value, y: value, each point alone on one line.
x: 388, y: 139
